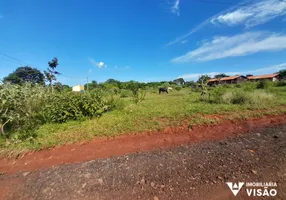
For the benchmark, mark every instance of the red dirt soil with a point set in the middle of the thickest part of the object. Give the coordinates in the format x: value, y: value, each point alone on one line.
x: 101, y: 148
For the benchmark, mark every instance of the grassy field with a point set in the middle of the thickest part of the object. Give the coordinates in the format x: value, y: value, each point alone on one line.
x: 153, y: 113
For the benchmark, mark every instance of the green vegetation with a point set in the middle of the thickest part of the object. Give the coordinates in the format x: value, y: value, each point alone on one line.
x: 32, y: 117
x: 24, y: 108
x: 25, y: 75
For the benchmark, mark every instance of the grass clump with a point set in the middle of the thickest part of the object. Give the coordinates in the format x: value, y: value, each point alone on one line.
x: 241, y: 97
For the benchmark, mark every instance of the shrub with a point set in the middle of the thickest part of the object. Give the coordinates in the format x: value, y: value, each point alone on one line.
x: 249, y: 86
x: 24, y: 108
x: 236, y: 97
x: 133, y: 86
x: 238, y: 85
x: 264, y: 84
x: 21, y: 105
x: 228, y: 86
x: 140, y: 96
x: 125, y: 93
x: 118, y: 104
x: 261, y: 98
x: 280, y: 83
x: 217, y: 92
x: 241, y: 97
x: 178, y: 88
x: 114, y: 90
x: 74, y: 106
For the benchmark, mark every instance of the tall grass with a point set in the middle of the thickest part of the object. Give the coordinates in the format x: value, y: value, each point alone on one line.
x: 241, y: 97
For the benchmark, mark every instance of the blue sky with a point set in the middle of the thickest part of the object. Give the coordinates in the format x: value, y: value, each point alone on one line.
x: 143, y: 40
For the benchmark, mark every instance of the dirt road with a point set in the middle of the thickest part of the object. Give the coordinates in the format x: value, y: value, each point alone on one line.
x: 193, y: 171
x: 134, y: 142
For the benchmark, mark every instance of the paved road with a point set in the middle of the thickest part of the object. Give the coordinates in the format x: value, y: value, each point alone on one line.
x: 197, y: 171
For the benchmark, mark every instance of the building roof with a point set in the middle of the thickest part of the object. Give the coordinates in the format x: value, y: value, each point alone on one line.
x: 224, y: 78
x: 229, y: 78
x: 262, y: 76
x: 212, y: 80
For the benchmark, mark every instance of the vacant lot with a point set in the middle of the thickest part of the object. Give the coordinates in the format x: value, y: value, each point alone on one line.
x: 155, y: 112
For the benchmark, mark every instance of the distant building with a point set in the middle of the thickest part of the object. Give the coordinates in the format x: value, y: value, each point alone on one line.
x: 78, y: 88
x: 212, y: 81
x: 269, y: 77
x: 227, y: 80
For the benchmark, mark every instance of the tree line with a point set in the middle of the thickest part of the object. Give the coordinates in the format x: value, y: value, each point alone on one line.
x: 28, y: 74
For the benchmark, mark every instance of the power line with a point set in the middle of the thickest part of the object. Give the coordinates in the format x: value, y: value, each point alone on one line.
x: 20, y: 62
x: 72, y: 77
x: 15, y: 59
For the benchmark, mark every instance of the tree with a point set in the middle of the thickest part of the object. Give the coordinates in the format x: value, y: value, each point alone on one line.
x: 282, y: 74
x: 133, y: 86
x: 203, y: 78
x: 51, y: 73
x: 91, y: 85
x: 179, y: 81
x: 248, y: 75
x: 221, y: 75
x: 25, y: 75
x: 112, y: 81
x: 190, y: 83
x: 66, y: 88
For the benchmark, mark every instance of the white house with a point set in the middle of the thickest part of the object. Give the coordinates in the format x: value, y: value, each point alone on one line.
x: 78, y: 88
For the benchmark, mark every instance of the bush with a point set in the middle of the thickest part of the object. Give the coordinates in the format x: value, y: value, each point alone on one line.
x: 228, y: 86
x: 178, y: 88
x: 21, y: 105
x: 280, y: 83
x: 235, y: 97
x: 140, y: 96
x: 264, y: 84
x: 125, y: 93
x: 24, y: 108
x: 249, y: 86
x: 242, y: 97
x: 217, y: 92
x: 238, y: 85
x: 74, y: 106
x: 114, y: 90
x: 118, y: 104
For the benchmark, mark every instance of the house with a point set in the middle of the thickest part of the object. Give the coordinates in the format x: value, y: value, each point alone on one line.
x: 78, y: 88
x: 269, y: 77
x: 212, y: 81
x: 227, y: 80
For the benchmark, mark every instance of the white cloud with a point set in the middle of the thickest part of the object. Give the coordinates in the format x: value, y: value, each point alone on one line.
x: 175, y: 9
x: 254, y: 13
x: 97, y: 64
x: 259, y: 71
x: 100, y: 64
x: 249, y: 14
x: 184, y: 41
x: 237, y: 45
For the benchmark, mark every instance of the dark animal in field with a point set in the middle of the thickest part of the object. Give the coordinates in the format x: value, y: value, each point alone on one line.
x: 163, y: 90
